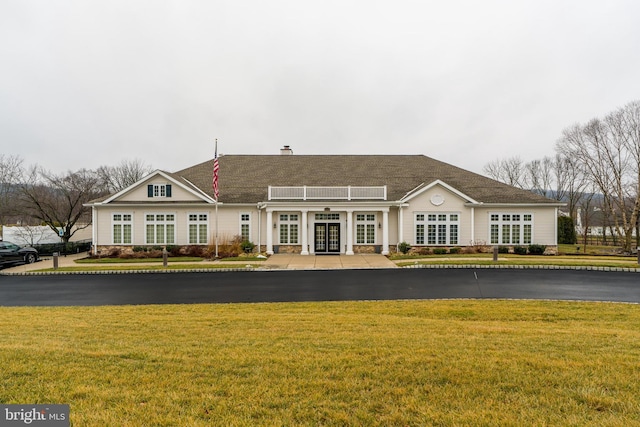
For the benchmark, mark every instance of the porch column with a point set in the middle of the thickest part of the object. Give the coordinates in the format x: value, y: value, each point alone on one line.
x: 349, y: 233
x: 385, y: 232
x: 269, y: 232
x: 305, y: 233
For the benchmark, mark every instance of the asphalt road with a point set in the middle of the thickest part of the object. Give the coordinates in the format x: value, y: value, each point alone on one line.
x: 329, y: 285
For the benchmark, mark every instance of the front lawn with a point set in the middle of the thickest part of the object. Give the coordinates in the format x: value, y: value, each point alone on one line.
x: 472, y: 363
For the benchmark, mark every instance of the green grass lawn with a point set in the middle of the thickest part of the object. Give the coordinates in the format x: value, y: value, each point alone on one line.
x: 475, y: 363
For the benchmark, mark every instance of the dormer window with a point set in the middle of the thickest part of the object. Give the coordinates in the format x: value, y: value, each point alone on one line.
x: 159, y: 190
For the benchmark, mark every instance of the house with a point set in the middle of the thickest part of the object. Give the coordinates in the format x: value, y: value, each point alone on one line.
x: 323, y: 204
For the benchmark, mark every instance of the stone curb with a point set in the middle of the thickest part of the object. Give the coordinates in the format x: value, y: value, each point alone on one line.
x: 526, y: 267
x: 421, y: 266
x: 107, y: 272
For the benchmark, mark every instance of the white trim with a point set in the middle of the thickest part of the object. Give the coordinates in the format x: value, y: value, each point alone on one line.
x: 437, y: 182
x: 447, y: 222
x: 199, y: 194
x: 521, y: 222
x: 242, y: 222
x: 164, y: 222
x: 197, y: 222
x: 122, y: 223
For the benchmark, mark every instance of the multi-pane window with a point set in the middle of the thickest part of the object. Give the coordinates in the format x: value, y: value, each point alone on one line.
x: 122, y: 225
x: 289, y: 225
x: 198, y: 225
x: 327, y: 216
x: 510, y: 229
x: 245, y: 227
x: 365, y: 229
x: 441, y: 228
x: 159, y: 190
x: 160, y: 229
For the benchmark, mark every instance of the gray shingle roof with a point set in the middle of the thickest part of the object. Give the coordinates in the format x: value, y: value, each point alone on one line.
x: 245, y: 178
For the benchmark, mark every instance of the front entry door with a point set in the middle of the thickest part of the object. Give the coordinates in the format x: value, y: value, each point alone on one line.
x: 327, y: 238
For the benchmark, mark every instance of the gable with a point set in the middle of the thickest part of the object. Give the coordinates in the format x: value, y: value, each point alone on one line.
x: 435, y: 192
x: 159, y: 187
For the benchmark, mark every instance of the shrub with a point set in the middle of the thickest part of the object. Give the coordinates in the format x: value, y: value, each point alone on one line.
x: 520, y: 250
x: 114, y: 253
x: 566, y: 231
x: 503, y: 249
x: 537, y: 249
x: 404, y: 247
x: 424, y: 251
x: 439, y: 251
x: 247, y: 246
x: 455, y: 250
x: 228, y: 247
x: 194, y: 250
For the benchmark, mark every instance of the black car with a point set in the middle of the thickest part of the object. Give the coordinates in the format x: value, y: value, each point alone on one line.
x: 10, y: 253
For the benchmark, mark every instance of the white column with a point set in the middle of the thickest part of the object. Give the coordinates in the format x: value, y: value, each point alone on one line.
x: 385, y: 232
x: 400, y: 227
x: 269, y: 232
x: 473, y: 226
x: 304, y: 233
x: 349, y: 233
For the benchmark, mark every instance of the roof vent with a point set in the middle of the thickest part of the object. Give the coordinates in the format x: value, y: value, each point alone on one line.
x: 286, y: 151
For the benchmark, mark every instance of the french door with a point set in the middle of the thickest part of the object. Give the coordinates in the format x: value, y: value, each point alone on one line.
x: 327, y: 238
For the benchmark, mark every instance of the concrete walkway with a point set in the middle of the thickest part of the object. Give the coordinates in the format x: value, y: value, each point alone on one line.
x: 327, y: 262
x: 274, y: 262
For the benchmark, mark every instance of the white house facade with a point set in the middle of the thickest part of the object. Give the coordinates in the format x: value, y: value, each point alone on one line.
x: 324, y: 205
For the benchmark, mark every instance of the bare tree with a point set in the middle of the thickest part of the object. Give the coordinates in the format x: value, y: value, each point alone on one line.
x: 570, y: 182
x: 510, y: 171
x: 58, y: 200
x: 10, y: 175
x: 539, y: 175
x: 609, y: 150
x: 128, y: 172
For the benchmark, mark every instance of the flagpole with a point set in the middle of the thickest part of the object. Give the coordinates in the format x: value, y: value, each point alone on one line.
x: 216, y: 193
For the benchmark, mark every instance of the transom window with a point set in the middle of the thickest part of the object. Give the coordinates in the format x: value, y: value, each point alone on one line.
x: 510, y: 228
x: 437, y: 228
x: 160, y: 229
x: 289, y: 226
x: 122, y: 225
x: 327, y: 217
x: 365, y: 229
x: 198, y: 225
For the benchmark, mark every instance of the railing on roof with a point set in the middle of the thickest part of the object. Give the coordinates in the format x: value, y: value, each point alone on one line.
x: 328, y: 193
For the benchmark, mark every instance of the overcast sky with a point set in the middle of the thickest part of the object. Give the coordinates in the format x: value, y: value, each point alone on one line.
x: 88, y: 83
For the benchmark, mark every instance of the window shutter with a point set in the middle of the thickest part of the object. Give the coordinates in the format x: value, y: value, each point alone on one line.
x: 150, y: 190
x: 168, y: 190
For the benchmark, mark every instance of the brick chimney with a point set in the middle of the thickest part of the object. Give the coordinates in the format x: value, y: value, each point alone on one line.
x: 286, y: 151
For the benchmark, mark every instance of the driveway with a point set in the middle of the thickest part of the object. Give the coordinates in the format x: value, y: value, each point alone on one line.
x: 317, y: 285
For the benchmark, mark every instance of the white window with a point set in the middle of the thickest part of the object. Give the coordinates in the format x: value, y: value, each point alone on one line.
x: 245, y: 227
x: 160, y: 228
x: 510, y: 228
x: 122, y: 226
x: 289, y: 226
x: 159, y: 190
x: 436, y: 228
x: 365, y: 229
x: 198, y: 226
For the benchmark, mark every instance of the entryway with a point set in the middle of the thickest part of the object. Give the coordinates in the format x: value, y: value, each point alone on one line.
x: 327, y: 238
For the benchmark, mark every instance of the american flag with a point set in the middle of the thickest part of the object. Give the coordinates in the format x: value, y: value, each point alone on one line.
x: 216, y: 168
